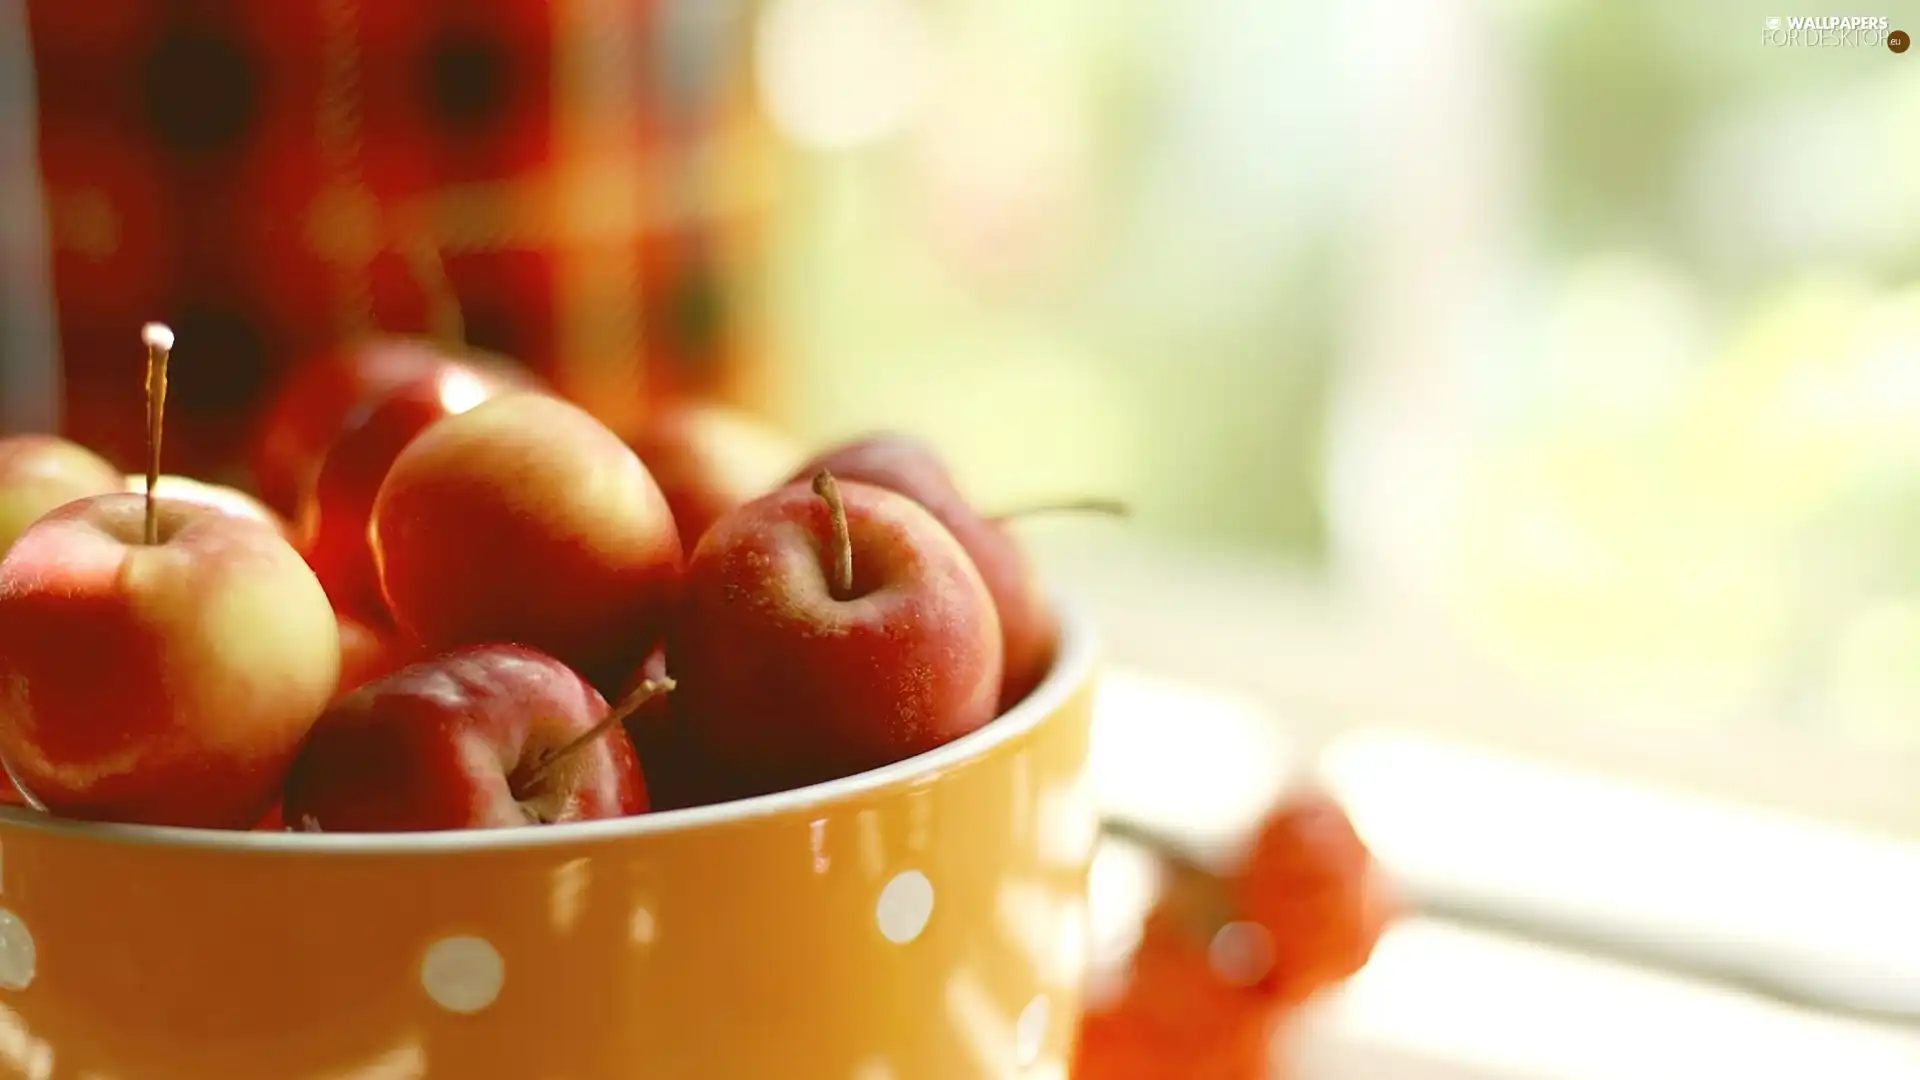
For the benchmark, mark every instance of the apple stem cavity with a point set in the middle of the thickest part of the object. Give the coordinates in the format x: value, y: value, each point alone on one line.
x: 825, y: 486
x: 645, y: 692
x: 158, y: 338
x: 1096, y: 505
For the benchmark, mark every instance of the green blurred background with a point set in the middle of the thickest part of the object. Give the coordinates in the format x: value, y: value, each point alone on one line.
x: 1587, y: 327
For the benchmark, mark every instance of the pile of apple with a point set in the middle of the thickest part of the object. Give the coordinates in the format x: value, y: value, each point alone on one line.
x: 459, y: 601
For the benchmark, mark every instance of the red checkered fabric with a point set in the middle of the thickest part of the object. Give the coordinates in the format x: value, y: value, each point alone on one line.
x: 271, y: 176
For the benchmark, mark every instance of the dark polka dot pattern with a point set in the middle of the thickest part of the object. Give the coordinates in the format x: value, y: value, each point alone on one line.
x: 468, y: 81
x: 201, y: 90
x: 199, y: 153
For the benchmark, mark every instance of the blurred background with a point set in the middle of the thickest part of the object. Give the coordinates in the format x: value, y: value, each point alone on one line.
x: 1519, y: 400
x: 1586, y: 331
x: 1574, y: 343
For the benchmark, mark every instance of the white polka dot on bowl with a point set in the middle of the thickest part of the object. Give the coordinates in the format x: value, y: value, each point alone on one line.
x: 19, y: 956
x: 905, y: 906
x: 463, y: 974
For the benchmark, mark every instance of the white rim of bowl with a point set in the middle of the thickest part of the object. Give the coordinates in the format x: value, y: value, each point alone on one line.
x: 1071, y: 671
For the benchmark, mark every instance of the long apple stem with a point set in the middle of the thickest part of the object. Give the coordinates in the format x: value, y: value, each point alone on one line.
x: 1181, y: 861
x: 1153, y: 841
x: 1090, y: 505
x: 642, y: 694
x: 825, y: 486
x: 159, y: 341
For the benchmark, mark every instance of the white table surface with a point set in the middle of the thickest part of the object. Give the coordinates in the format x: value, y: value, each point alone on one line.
x: 1446, y: 1002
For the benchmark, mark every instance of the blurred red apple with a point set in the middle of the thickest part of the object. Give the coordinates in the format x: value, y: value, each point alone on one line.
x: 41, y: 472
x: 307, y: 410
x: 825, y: 632
x: 463, y: 741
x: 709, y: 459
x: 527, y: 520
x: 338, y: 509
x: 1313, y: 883
x: 163, y: 684
x: 1028, y: 623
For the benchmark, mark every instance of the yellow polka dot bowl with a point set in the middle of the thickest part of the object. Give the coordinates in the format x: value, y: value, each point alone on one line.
x: 925, y: 921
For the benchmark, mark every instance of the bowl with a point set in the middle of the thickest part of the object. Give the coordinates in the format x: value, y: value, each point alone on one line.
x: 924, y: 921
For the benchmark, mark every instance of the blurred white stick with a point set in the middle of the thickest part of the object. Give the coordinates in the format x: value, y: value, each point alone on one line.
x: 29, y: 340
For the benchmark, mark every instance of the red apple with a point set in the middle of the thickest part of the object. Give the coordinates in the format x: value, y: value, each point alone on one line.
x: 526, y: 520
x: 213, y: 496
x: 306, y: 412
x: 1028, y: 623
x: 460, y: 742
x: 1312, y: 882
x: 275, y: 821
x: 337, y: 511
x: 168, y: 683
x: 709, y: 459
x: 41, y: 472
x: 795, y: 667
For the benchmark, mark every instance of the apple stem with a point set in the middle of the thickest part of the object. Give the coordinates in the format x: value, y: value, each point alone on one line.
x: 1180, y: 860
x: 825, y: 486
x: 1095, y: 504
x: 642, y: 694
x: 1151, y: 840
x: 159, y: 341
